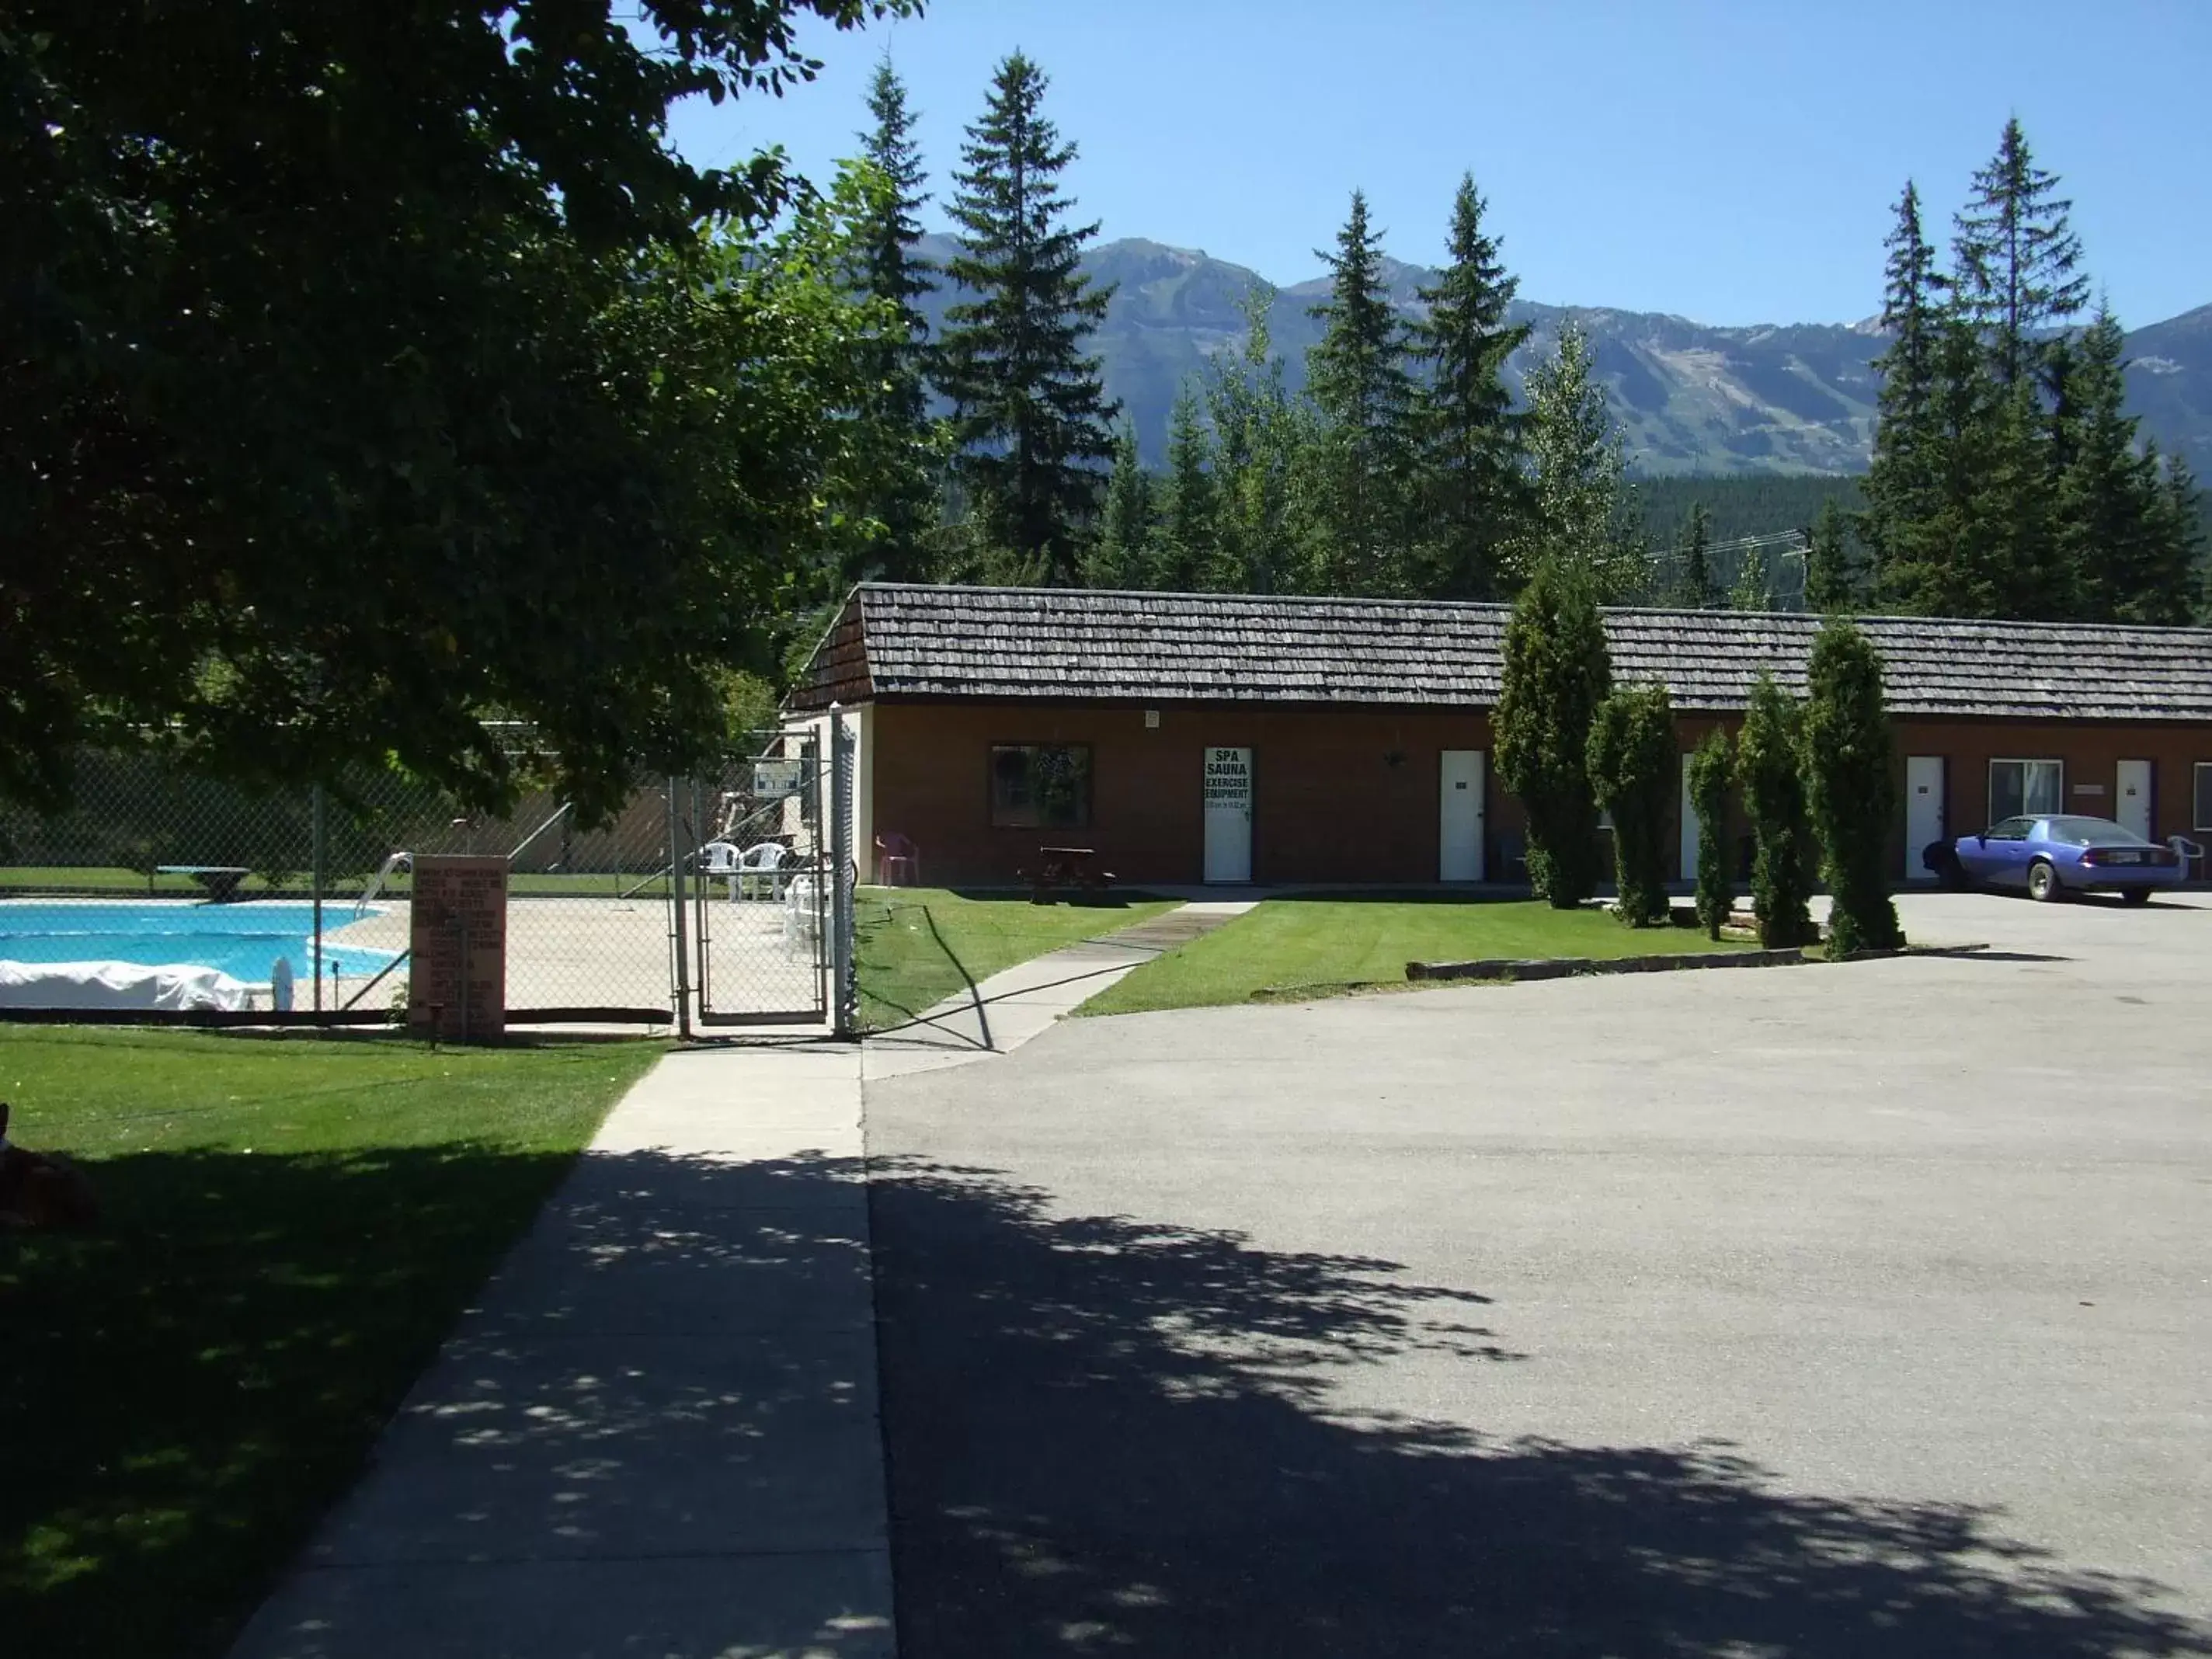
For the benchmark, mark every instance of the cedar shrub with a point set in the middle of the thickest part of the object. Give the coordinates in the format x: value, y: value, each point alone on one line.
x: 1632, y: 765
x: 1850, y: 788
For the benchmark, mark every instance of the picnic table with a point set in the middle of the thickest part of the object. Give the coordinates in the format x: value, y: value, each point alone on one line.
x: 1067, y: 867
x: 220, y: 880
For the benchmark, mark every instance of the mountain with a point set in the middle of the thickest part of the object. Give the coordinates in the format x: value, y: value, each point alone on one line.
x: 1690, y: 399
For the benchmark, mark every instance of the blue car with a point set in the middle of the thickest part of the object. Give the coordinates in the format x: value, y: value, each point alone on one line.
x: 2055, y: 854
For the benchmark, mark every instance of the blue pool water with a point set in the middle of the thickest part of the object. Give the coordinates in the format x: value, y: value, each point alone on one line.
x: 241, y: 939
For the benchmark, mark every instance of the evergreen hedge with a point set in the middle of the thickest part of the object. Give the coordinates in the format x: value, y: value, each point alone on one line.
x: 1632, y: 767
x: 1711, y: 770
x: 1556, y: 671
x: 1851, y: 787
x: 1769, y: 770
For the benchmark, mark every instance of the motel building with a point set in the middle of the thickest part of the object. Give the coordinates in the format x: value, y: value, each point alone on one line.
x: 1220, y: 738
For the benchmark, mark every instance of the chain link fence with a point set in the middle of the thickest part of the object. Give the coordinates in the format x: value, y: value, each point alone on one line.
x: 298, y: 900
x: 160, y: 893
x: 758, y: 897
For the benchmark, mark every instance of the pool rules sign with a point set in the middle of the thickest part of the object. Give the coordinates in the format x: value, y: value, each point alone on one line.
x: 457, y: 962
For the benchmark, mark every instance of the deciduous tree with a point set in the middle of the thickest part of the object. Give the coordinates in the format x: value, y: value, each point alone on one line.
x: 368, y: 377
x: 1580, y: 512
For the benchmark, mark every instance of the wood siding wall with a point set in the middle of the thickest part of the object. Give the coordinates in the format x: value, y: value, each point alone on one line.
x: 1354, y: 795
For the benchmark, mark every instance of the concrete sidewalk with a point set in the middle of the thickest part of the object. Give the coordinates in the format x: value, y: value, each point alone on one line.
x: 656, y: 1434
x: 1005, y: 1011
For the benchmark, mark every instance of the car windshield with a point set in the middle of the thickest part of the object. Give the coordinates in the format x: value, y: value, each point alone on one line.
x: 2088, y: 832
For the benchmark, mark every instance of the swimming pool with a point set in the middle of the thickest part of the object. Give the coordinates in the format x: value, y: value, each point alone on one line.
x: 242, y: 939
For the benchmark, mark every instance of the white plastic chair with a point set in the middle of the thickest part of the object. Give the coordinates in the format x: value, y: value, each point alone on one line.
x: 755, y: 862
x: 2187, y: 849
x: 721, y: 858
x: 801, y: 912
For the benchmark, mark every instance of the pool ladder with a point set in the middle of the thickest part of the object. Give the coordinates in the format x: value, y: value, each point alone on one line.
x: 376, y: 882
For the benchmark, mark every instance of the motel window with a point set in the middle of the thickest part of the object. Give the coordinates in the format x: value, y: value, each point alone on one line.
x: 1041, y: 785
x: 2203, y: 814
x: 2035, y: 788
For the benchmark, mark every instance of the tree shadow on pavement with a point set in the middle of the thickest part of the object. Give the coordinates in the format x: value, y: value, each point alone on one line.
x: 1106, y: 1435
x: 1113, y: 1437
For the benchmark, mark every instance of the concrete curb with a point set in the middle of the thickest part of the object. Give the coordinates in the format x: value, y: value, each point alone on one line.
x: 1517, y: 968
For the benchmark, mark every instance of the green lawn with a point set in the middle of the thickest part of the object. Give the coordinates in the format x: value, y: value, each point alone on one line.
x: 915, y: 946
x: 1322, y: 946
x: 291, y: 1225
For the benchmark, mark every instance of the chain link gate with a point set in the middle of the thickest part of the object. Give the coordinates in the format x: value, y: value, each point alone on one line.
x: 765, y: 881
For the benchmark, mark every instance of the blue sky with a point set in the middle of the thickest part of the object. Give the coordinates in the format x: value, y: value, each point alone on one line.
x: 1731, y: 161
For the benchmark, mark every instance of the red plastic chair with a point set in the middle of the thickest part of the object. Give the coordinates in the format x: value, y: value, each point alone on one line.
x: 898, y: 860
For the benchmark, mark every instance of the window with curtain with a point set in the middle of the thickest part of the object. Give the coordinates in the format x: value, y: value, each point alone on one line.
x: 2032, y: 787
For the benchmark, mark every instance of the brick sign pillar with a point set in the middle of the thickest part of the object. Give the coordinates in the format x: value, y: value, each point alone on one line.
x: 457, y: 973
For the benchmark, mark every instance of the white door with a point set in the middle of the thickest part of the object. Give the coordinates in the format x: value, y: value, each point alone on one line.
x: 2131, y: 798
x: 1924, y: 812
x: 1689, y: 826
x: 1227, y: 815
x: 1459, y: 825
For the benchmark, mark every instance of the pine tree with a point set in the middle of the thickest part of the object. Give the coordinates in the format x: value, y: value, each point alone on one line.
x: 1184, y: 555
x: 1556, y: 670
x: 1581, y: 513
x: 1467, y: 434
x: 1259, y: 436
x: 896, y: 402
x: 1029, y: 409
x: 1851, y: 787
x: 1831, y: 575
x: 2177, y: 584
x: 1952, y: 558
x: 2108, y: 491
x: 1356, y: 377
x: 2017, y: 536
x: 1121, y: 555
x: 1901, y: 483
x: 1693, y: 588
x: 2016, y: 260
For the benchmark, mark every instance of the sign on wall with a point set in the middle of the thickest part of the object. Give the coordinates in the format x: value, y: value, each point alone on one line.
x: 774, y: 779
x: 1229, y: 777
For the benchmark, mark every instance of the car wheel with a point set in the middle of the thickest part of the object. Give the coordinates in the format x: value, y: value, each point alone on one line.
x: 2135, y: 896
x: 2043, y: 882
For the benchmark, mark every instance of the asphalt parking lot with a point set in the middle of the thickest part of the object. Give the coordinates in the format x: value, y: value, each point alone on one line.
x: 1810, y: 1311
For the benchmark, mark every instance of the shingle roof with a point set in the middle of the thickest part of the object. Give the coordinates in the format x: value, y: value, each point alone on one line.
x: 897, y: 640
